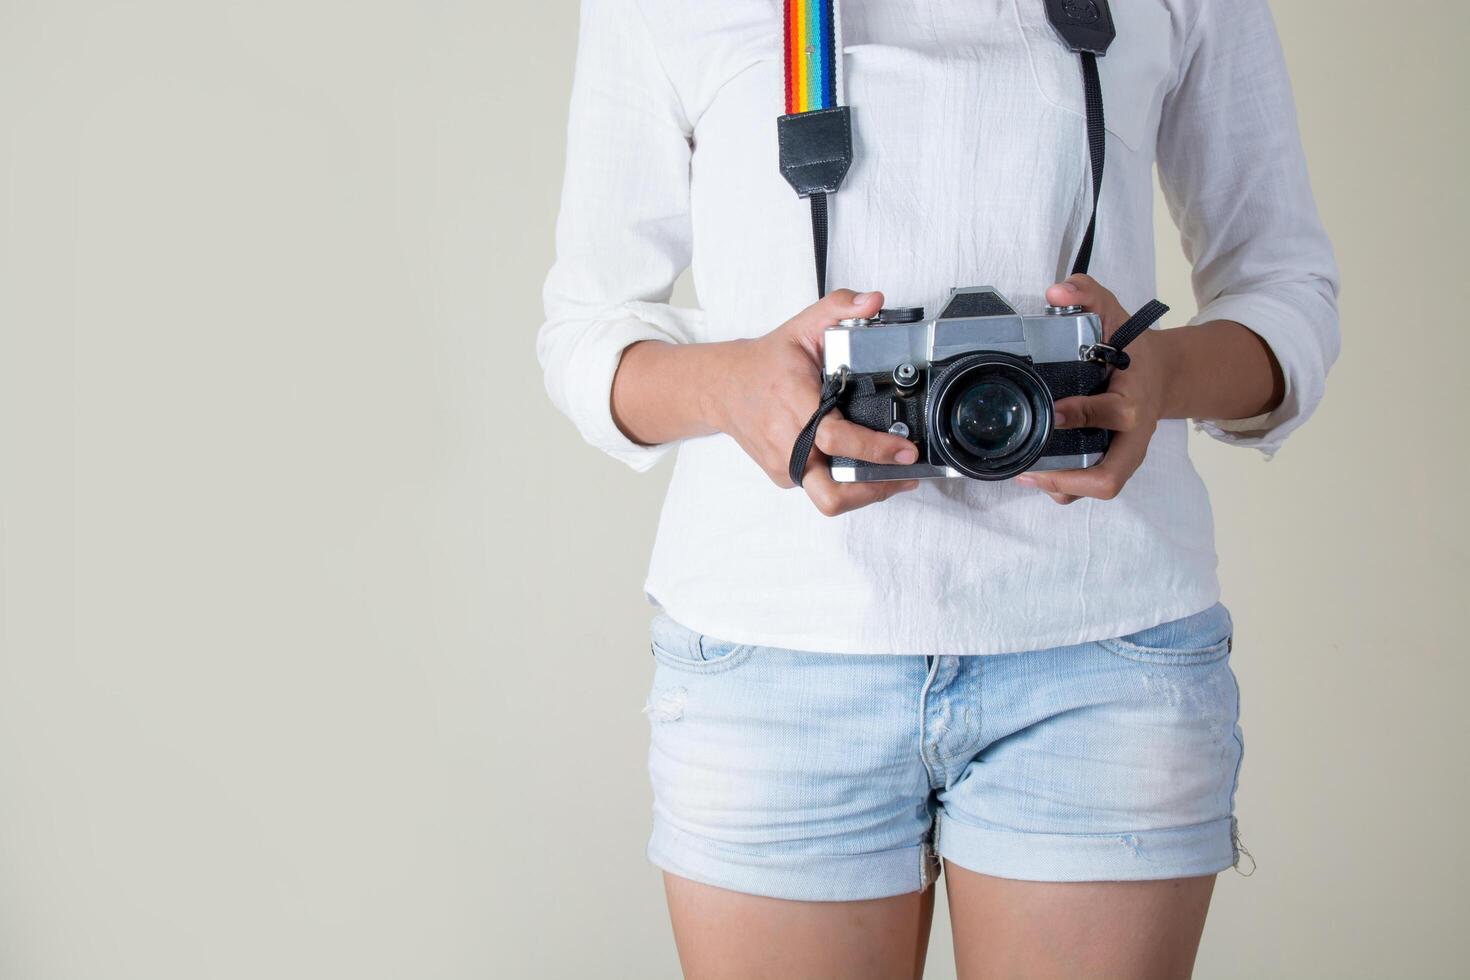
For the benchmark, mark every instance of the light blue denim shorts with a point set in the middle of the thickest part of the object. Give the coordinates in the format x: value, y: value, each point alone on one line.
x: 834, y: 777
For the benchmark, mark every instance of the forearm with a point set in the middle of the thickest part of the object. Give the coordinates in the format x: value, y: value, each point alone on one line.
x: 1218, y: 370
x: 661, y: 392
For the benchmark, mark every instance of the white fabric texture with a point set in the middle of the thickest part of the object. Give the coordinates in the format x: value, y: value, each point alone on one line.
x: 971, y: 169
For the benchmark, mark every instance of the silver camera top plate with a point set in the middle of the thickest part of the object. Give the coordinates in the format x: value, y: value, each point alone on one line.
x: 870, y: 348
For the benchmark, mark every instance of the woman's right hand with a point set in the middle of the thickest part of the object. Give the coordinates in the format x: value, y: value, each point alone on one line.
x: 763, y: 391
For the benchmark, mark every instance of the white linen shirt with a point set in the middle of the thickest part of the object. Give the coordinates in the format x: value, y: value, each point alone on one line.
x: 971, y: 169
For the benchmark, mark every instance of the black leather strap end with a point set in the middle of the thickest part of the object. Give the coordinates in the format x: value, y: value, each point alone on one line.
x: 1084, y: 25
x: 816, y: 149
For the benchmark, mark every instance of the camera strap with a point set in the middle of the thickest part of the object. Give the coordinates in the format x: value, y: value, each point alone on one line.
x: 1086, y: 26
x: 815, y: 134
x: 807, y: 438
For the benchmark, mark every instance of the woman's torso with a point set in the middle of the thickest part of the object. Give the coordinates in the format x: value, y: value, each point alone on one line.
x: 971, y: 169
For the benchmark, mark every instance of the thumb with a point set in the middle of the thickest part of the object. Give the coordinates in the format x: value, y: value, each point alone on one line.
x: 839, y: 304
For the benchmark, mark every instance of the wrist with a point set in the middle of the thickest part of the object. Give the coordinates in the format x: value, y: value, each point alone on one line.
x: 1217, y: 370
x: 659, y: 392
x: 1174, y: 346
x: 711, y: 374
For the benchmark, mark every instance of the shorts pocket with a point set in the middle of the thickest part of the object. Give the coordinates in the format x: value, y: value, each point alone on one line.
x: 680, y: 648
x: 1201, y: 638
x: 1133, y: 73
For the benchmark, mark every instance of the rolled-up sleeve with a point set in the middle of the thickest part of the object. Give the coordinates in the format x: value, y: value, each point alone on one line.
x: 1235, y: 179
x: 623, y: 234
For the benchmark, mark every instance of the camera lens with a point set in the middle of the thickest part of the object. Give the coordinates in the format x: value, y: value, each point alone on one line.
x: 991, y: 417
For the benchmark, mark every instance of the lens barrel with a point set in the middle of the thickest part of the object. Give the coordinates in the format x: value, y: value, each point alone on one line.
x: 990, y: 415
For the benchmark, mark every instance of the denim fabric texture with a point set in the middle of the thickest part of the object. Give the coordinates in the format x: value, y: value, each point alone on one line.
x: 830, y: 777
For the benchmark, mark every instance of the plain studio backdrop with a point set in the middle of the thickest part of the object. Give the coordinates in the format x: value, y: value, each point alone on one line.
x: 323, y: 641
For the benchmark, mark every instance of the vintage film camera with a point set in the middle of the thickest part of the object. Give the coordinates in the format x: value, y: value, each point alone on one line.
x: 973, y: 388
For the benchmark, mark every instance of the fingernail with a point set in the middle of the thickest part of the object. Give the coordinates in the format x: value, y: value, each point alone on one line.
x: 1026, y: 480
x: 861, y: 298
x: 906, y: 456
x: 1067, y: 287
x: 1058, y: 418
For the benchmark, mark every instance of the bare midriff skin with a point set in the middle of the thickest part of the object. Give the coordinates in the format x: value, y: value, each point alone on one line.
x: 761, y: 392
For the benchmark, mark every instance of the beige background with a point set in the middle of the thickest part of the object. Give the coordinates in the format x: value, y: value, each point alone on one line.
x: 323, y: 644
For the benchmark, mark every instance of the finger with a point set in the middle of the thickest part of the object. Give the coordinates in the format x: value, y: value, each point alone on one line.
x: 854, y: 496
x: 1101, y: 482
x: 1084, y: 291
x: 892, y: 488
x: 1063, y: 498
x: 842, y: 498
x: 839, y: 304
x: 838, y: 437
x: 1110, y: 410
x: 833, y: 498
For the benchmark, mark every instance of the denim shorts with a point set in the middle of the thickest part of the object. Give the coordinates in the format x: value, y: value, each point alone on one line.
x: 833, y: 777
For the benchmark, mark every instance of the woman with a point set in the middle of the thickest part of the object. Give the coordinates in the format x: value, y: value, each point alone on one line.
x: 858, y: 682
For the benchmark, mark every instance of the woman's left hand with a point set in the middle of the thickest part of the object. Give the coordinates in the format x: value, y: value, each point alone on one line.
x: 1131, y: 407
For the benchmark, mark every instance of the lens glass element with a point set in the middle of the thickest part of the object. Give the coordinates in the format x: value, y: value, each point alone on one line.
x: 991, y: 417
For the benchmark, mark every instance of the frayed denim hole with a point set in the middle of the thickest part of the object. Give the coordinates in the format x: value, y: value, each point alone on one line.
x: 666, y: 703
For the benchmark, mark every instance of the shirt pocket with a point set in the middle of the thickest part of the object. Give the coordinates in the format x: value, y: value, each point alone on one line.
x: 1133, y: 73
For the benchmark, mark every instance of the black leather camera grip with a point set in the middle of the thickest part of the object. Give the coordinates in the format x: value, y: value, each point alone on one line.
x: 1066, y: 379
x: 865, y: 404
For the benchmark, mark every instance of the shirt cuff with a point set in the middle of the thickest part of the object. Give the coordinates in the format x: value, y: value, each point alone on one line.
x: 587, y: 391
x: 1296, y: 349
x: 581, y: 356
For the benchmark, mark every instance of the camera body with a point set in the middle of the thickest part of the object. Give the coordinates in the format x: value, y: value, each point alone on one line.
x: 974, y: 388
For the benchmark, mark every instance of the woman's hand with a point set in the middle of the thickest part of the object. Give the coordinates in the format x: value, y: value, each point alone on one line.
x: 1131, y: 407
x: 764, y: 390
x: 761, y: 392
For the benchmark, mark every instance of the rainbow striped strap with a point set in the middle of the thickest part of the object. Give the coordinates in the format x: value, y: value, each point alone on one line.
x: 815, y: 134
x: 813, y: 55
x: 816, y: 131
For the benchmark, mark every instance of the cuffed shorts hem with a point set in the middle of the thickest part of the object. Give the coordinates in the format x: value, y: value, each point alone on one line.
x: 1178, y: 852
x: 797, y: 876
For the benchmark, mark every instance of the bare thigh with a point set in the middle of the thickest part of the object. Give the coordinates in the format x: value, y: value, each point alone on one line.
x: 724, y: 934
x: 1019, y: 930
